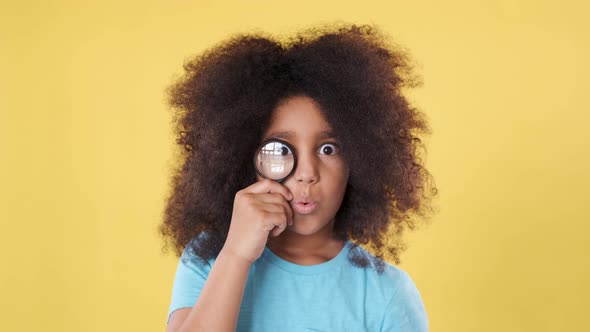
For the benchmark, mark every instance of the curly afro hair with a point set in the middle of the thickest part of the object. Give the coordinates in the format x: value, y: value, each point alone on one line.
x: 223, y: 102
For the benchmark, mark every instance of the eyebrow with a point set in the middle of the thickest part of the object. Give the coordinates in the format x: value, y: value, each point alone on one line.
x: 289, y: 134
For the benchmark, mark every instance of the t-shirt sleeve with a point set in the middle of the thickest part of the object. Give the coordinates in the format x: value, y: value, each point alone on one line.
x: 190, y: 277
x: 405, y: 312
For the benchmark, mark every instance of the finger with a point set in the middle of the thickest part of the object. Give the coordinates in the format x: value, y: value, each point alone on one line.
x: 269, y: 186
x: 279, y: 228
x: 273, y: 208
x: 277, y: 231
x: 275, y: 221
x: 288, y: 212
x: 283, y: 208
x: 286, y: 208
x: 279, y: 200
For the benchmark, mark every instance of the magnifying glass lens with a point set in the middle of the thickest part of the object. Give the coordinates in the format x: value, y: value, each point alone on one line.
x: 274, y: 160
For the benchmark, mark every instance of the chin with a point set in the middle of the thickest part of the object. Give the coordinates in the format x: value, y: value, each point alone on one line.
x: 305, y: 227
x: 305, y: 231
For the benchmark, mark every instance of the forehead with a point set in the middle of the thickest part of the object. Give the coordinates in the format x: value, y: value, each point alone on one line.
x: 298, y: 116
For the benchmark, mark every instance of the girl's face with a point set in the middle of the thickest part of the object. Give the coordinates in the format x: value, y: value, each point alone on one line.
x: 321, y: 174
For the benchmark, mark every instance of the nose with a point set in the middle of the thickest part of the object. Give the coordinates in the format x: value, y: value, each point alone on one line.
x: 306, y: 170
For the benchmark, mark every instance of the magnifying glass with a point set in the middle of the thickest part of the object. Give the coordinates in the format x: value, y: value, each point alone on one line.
x: 275, y: 160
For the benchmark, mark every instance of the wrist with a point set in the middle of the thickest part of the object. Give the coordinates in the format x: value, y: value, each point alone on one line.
x: 230, y: 254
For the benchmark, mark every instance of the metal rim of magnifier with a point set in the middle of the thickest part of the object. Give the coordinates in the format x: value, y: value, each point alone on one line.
x: 282, y: 142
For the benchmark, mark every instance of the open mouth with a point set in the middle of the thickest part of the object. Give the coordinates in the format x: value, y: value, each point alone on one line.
x: 304, y: 207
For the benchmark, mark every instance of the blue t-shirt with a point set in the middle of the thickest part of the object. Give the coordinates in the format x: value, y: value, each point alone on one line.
x: 332, y: 296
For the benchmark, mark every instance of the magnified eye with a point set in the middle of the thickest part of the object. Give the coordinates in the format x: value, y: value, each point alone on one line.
x: 275, y: 160
x: 282, y: 150
x: 329, y: 149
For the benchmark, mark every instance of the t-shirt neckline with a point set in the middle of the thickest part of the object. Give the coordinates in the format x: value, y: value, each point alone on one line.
x: 335, y: 262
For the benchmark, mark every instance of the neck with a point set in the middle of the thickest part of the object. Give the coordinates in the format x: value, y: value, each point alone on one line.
x: 306, y: 249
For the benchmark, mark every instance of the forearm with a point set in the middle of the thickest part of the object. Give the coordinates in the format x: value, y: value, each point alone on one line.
x: 218, y: 305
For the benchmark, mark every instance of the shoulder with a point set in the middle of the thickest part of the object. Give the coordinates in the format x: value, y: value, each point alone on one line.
x: 375, y: 268
x: 406, y: 309
x: 190, y: 277
x: 402, y: 302
x: 190, y: 260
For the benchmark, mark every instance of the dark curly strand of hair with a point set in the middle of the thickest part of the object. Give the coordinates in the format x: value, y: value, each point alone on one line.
x: 223, y: 103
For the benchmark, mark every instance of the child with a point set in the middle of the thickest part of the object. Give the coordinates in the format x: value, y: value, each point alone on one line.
x: 284, y: 254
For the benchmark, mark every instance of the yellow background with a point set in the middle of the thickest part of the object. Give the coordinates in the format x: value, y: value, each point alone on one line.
x: 86, y: 147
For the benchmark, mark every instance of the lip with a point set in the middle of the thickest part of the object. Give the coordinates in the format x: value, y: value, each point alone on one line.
x: 302, y: 207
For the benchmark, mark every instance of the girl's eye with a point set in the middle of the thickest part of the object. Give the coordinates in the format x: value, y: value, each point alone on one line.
x: 329, y: 149
x: 284, y: 150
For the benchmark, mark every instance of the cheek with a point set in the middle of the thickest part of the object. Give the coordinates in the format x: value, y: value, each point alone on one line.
x: 341, y: 188
x: 341, y: 173
x: 338, y: 181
